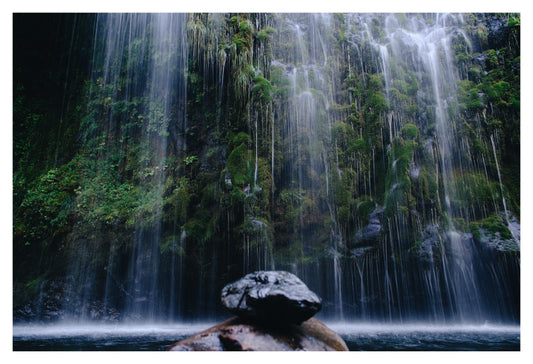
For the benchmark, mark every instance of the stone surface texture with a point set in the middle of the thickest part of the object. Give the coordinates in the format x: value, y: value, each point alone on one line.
x: 236, y: 334
x: 274, y: 298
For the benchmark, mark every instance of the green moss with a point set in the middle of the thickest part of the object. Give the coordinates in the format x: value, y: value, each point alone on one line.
x: 358, y: 145
x: 375, y: 101
x: 262, y: 88
x: 409, y: 131
x: 363, y: 208
x: 237, y: 196
x: 482, y: 34
x: 245, y: 26
x: 265, y: 34
x: 469, y: 96
x: 238, y: 165
x: 182, y: 195
x: 494, y: 225
x: 514, y: 21
x: 398, y: 184
x: 477, y: 191
x: 412, y: 85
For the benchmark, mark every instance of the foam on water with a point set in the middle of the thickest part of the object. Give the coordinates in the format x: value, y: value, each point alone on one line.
x: 106, y: 330
x: 132, y: 330
x: 369, y: 327
x: 359, y: 336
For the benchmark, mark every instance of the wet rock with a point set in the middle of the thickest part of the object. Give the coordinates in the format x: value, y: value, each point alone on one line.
x: 371, y: 232
x: 497, y: 30
x: 271, y: 297
x: 45, y: 305
x: 236, y: 334
x: 430, y: 239
x: 494, y: 241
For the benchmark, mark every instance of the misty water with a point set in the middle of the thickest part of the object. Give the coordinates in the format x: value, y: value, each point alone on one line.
x: 358, y: 337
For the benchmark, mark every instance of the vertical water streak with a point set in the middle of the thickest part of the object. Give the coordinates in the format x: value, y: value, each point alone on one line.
x: 311, y: 154
x: 423, y: 47
x: 137, y: 92
x: 140, y: 65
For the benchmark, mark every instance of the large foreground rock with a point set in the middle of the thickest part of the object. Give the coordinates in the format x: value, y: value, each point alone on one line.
x: 274, y: 298
x: 237, y: 335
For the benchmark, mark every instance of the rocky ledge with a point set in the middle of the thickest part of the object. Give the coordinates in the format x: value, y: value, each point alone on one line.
x: 274, y: 313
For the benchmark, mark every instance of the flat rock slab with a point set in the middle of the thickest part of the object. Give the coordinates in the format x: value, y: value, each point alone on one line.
x: 237, y: 335
x: 274, y: 298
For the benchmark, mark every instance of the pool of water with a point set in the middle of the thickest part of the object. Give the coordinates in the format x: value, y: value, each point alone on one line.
x: 358, y: 337
x: 101, y: 337
x: 427, y: 337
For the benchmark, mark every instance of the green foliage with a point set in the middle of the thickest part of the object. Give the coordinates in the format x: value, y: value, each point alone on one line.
x: 469, y: 96
x: 412, y: 86
x: 398, y: 186
x: 180, y: 200
x: 375, y: 101
x: 238, y: 165
x: 358, y: 145
x: 192, y: 159
x: 265, y: 34
x: 493, y: 224
x: 514, y: 21
x: 409, y: 131
x: 482, y: 34
x: 44, y: 211
x: 262, y: 88
x: 479, y: 192
x: 101, y: 200
x: 364, y: 206
x: 240, y: 138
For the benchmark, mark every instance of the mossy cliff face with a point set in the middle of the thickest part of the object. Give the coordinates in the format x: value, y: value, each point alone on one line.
x: 159, y: 156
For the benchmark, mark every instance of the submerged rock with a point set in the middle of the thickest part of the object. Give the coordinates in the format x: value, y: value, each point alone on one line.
x: 236, y: 334
x: 271, y: 297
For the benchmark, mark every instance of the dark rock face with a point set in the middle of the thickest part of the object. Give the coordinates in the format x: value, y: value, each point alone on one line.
x: 373, y: 229
x: 429, y: 247
x: 371, y: 232
x: 45, y: 305
x: 275, y: 298
x: 237, y: 335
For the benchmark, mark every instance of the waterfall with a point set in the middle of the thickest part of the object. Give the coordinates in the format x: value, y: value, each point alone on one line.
x: 308, y: 154
x: 357, y: 151
x: 138, y: 66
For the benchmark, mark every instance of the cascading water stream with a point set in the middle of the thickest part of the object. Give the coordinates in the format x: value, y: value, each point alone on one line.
x: 308, y: 126
x: 130, y: 46
x: 334, y: 146
x: 425, y: 49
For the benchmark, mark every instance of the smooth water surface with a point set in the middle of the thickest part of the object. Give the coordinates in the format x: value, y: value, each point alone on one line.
x: 358, y: 337
x: 428, y: 337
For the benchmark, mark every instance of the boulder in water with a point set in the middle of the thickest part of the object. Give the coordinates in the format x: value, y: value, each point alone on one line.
x: 274, y: 298
x: 236, y: 334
